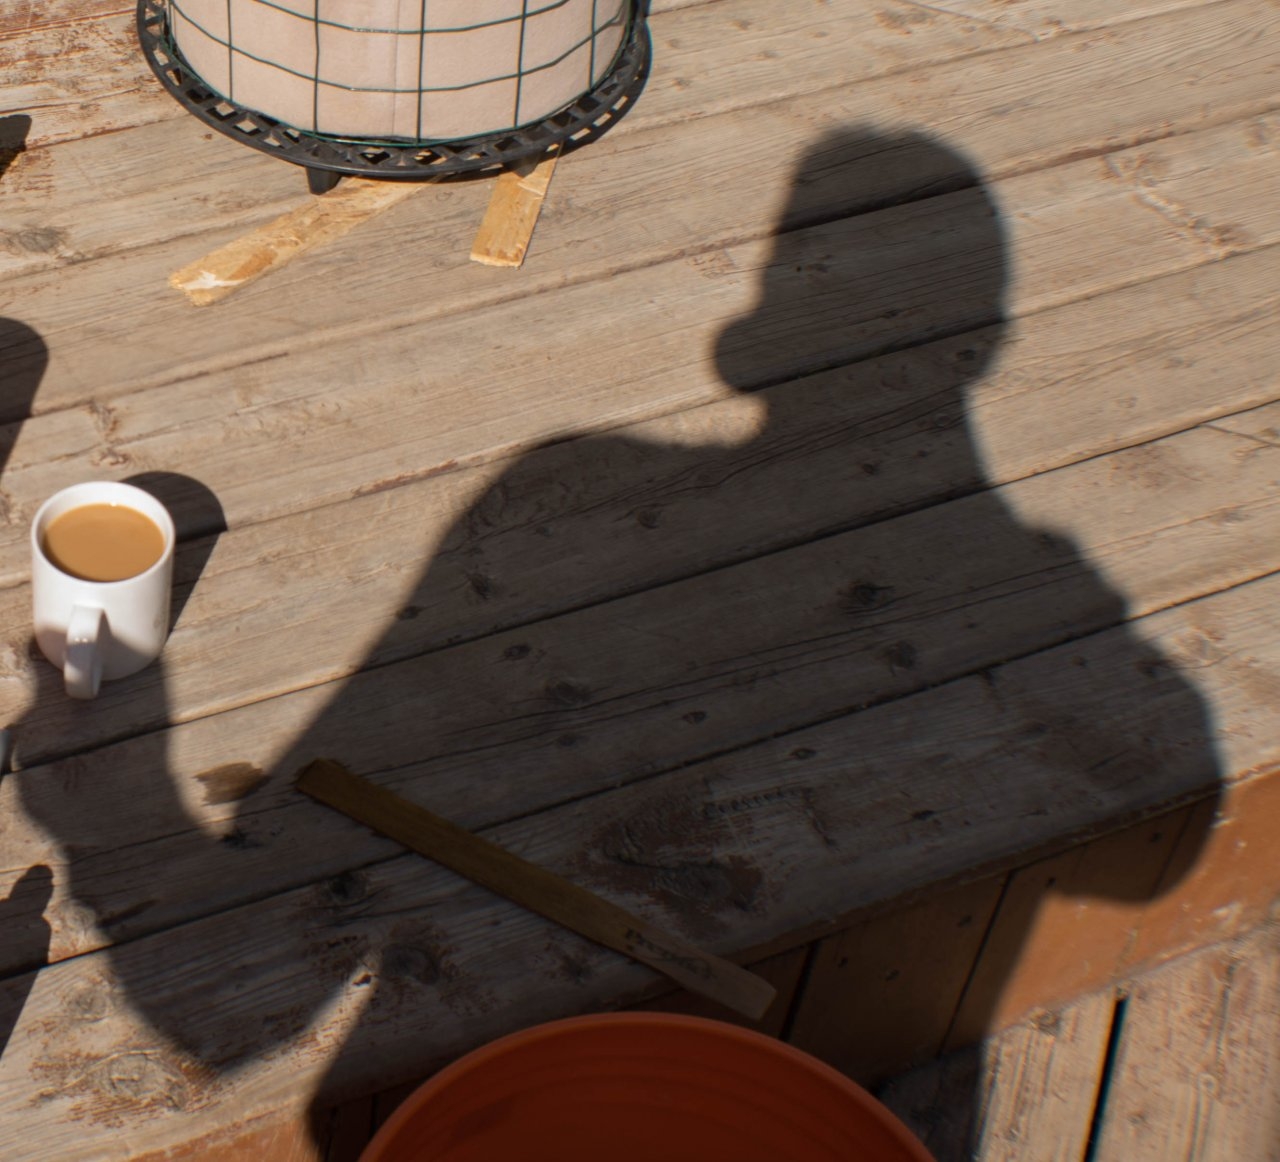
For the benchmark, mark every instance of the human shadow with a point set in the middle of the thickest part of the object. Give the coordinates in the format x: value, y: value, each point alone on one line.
x: 23, y: 359
x: 789, y: 594
x: 865, y: 343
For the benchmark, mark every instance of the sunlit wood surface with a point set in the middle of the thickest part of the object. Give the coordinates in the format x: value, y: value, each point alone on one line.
x: 866, y: 490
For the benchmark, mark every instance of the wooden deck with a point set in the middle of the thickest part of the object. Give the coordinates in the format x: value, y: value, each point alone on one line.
x: 1180, y: 1062
x: 851, y: 540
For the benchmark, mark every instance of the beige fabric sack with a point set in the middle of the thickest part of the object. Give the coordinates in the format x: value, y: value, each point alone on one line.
x: 418, y: 70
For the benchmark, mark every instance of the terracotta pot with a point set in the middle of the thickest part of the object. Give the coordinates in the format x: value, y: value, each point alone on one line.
x: 641, y: 1087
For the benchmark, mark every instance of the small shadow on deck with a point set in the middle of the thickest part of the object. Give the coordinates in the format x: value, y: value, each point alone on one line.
x: 13, y: 139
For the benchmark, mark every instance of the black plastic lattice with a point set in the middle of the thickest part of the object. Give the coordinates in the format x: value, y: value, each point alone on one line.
x: 585, y: 120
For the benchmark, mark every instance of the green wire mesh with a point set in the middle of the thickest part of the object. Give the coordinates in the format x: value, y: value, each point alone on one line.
x: 401, y: 70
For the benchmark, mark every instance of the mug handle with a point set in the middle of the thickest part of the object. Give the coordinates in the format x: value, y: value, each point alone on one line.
x: 85, y: 643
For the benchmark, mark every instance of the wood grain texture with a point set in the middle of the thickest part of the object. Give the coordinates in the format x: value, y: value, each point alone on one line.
x: 512, y: 215
x: 1042, y: 1082
x: 360, y: 440
x: 1028, y: 1093
x: 318, y: 221
x: 902, y: 523
x: 813, y: 881
x: 1227, y: 886
x: 881, y: 996
x: 1066, y: 926
x: 1034, y: 413
x: 535, y: 888
x: 1042, y: 19
x: 783, y: 971
x: 1195, y: 1075
x: 829, y: 647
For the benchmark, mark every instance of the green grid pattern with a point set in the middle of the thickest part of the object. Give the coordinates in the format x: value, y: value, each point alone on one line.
x: 619, y: 18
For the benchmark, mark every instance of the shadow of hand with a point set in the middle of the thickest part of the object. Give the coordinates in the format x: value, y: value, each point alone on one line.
x: 26, y: 932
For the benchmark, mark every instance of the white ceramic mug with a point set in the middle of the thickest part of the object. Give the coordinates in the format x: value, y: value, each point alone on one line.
x: 93, y: 630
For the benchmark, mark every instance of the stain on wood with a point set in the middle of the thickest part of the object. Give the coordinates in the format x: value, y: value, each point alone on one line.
x: 231, y: 782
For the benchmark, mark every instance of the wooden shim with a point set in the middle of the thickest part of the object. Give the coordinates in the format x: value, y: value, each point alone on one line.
x: 1196, y: 1069
x: 535, y: 888
x: 508, y: 224
x: 783, y: 971
x: 321, y: 220
x: 880, y: 996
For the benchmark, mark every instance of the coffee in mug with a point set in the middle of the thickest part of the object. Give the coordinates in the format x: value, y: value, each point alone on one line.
x: 101, y: 575
x: 103, y: 542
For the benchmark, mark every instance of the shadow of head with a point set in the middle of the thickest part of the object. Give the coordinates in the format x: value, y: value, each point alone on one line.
x: 888, y: 272
x: 888, y: 240
x: 13, y: 138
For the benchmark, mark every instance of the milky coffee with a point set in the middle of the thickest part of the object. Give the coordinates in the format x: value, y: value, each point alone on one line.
x: 103, y: 542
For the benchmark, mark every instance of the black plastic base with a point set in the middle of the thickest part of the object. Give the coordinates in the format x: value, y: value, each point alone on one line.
x: 327, y: 158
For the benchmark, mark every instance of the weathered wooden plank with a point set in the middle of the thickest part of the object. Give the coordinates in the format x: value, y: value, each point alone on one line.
x: 874, y: 613
x: 1042, y: 19
x: 354, y: 1123
x: 227, y: 425
x: 535, y: 888
x: 1261, y: 423
x: 783, y: 971
x: 1066, y: 926
x: 833, y: 832
x: 1107, y: 358
x: 279, y: 1139
x: 79, y: 77
x: 610, y: 693
x: 254, y: 255
x: 89, y: 76
x: 1226, y: 884
x: 24, y: 15
x: 1195, y: 1076
x: 192, y: 184
x: 1028, y: 1093
x: 880, y: 996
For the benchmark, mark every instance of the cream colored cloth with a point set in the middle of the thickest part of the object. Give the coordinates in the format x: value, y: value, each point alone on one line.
x: 421, y: 70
